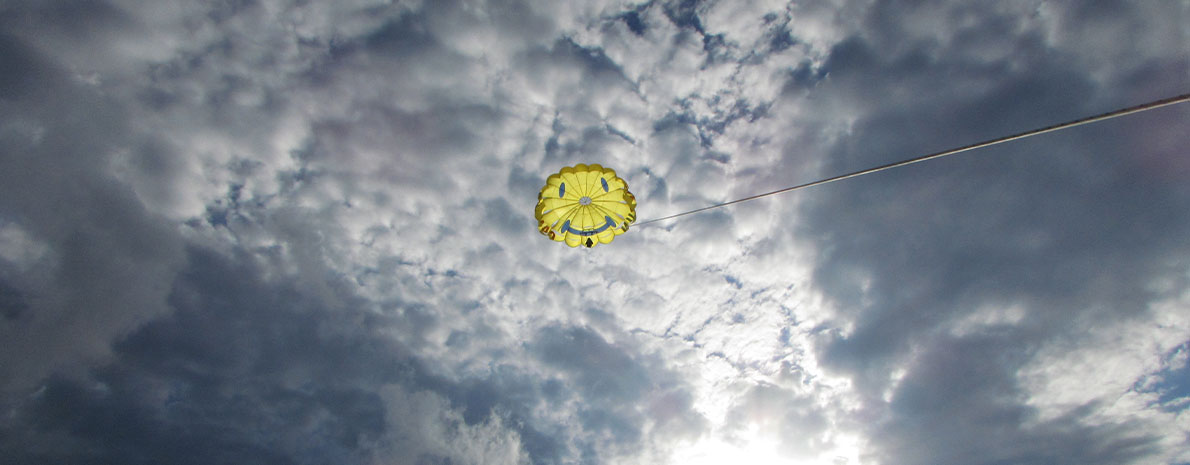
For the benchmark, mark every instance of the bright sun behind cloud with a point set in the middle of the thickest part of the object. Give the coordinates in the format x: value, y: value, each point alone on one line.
x: 752, y: 446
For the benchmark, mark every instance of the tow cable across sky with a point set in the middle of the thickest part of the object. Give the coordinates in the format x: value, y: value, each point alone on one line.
x: 1057, y: 127
x: 610, y: 227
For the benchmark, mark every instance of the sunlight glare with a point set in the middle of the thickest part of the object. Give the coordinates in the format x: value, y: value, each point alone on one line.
x: 749, y: 447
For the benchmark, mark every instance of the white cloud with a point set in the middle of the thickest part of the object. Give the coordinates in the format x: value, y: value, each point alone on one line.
x: 1114, y: 368
x: 430, y: 430
x: 366, y: 170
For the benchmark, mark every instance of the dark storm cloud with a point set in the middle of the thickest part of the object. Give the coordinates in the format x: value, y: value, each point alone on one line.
x: 95, y: 234
x: 251, y: 371
x: 1070, y: 227
x: 242, y: 371
x: 12, y: 301
x: 959, y: 403
x: 23, y: 69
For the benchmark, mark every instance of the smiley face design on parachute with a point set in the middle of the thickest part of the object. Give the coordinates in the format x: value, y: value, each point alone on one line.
x: 585, y: 205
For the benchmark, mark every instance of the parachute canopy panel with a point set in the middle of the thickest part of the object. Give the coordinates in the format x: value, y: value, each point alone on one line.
x: 584, y: 205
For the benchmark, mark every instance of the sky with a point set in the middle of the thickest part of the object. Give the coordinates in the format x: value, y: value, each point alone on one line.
x: 301, y: 232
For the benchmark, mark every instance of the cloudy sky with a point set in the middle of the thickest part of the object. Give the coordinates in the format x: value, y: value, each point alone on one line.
x: 301, y: 232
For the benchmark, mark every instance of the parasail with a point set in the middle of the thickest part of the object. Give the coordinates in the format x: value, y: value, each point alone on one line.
x: 584, y: 204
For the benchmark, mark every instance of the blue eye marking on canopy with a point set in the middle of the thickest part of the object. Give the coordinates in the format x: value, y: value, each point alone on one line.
x: 562, y: 190
x: 588, y: 232
x: 604, y: 181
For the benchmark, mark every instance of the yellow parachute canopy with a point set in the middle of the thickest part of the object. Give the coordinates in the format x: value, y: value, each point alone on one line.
x: 584, y: 204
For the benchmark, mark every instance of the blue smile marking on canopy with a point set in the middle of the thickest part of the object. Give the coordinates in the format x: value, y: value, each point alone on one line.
x: 588, y: 232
